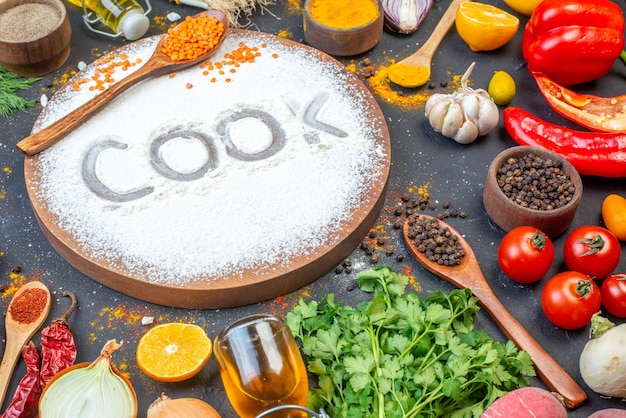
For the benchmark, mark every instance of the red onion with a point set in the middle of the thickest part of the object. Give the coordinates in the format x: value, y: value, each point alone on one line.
x: 405, y: 16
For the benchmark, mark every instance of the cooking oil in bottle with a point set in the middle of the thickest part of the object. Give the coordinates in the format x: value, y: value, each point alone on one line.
x: 125, y: 17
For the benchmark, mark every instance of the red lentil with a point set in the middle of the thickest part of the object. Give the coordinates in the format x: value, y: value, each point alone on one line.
x: 27, y: 306
x: 240, y: 55
x: 193, y: 37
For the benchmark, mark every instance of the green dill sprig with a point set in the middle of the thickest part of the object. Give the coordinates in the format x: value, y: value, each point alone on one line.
x: 399, y: 355
x: 10, y: 83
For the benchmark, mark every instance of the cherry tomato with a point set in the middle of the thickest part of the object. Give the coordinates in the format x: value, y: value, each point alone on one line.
x: 525, y: 254
x: 613, y: 291
x: 592, y: 250
x: 569, y: 299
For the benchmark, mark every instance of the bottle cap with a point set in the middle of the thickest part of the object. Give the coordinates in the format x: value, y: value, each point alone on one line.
x: 134, y: 24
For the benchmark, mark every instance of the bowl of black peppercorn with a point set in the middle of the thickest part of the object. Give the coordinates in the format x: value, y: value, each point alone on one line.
x: 532, y: 186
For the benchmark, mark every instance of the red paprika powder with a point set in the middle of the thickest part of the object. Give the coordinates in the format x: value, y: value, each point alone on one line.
x: 28, y: 306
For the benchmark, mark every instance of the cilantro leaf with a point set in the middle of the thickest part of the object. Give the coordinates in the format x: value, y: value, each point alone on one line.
x: 399, y: 355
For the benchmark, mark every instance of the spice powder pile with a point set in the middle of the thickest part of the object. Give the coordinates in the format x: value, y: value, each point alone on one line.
x: 30, y: 21
x: 27, y: 306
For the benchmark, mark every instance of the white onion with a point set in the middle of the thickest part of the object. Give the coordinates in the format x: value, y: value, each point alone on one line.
x: 603, y: 359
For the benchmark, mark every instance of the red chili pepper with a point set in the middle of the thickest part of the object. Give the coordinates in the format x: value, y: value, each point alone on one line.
x: 574, y: 41
x: 603, y: 114
x: 26, y: 397
x: 593, y: 153
x: 58, y: 350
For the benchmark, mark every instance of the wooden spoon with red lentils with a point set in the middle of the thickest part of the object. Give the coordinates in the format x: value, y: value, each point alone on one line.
x: 26, y: 313
x: 190, y: 42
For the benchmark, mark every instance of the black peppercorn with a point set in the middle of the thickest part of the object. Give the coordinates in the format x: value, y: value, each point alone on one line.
x: 438, y: 243
x: 535, y: 183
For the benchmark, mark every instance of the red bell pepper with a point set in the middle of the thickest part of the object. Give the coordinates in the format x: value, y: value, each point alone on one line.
x: 602, y: 114
x: 594, y: 153
x: 574, y: 41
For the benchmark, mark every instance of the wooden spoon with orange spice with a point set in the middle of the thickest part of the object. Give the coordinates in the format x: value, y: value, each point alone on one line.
x: 171, y: 54
x: 26, y: 313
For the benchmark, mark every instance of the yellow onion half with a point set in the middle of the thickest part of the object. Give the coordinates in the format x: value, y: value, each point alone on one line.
x: 166, y: 407
x: 90, y: 390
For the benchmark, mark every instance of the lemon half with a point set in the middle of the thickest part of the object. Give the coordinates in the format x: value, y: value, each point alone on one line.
x: 484, y: 27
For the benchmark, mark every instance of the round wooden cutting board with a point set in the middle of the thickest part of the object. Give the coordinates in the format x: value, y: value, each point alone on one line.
x: 239, y: 288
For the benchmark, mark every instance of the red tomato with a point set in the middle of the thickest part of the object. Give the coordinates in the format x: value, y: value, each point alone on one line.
x: 525, y: 254
x: 613, y: 291
x: 592, y: 250
x: 570, y: 299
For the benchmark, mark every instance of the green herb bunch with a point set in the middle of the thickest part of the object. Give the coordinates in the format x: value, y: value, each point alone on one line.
x: 9, y: 84
x: 399, y: 355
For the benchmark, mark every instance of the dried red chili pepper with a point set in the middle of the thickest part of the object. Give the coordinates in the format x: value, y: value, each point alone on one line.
x: 26, y: 396
x: 593, y: 153
x: 58, y: 350
x: 603, y: 114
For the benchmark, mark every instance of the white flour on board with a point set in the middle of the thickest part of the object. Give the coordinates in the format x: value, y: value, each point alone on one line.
x: 237, y: 213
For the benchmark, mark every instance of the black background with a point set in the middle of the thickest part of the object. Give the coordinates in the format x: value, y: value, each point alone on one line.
x: 454, y: 172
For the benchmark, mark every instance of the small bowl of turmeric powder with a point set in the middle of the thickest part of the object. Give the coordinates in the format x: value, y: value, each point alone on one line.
x: 34, y: 36
x: 343, y: 27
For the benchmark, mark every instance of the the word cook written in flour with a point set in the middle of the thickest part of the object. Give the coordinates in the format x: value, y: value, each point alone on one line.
x: 278, y: 140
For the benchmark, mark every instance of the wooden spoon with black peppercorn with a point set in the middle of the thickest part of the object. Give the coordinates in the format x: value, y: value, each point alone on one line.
x: 26, y: 313
x: 467, y: 274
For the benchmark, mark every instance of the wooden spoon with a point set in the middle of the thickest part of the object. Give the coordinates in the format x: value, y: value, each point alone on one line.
x: 414, y: 70
x: 18, y: 333
x: 158, y: 64
x: 468, y: 275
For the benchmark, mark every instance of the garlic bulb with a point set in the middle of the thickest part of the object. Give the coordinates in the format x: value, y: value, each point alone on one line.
x: 463, y: 115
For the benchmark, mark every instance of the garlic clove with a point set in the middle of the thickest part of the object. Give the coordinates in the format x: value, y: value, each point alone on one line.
x: 488, y: 116
x: 453, y: 120
x: 433, y: 101
x: 467, y: 133
x: 437, y: 113
x: 481, y: 110
x: 471, y: 105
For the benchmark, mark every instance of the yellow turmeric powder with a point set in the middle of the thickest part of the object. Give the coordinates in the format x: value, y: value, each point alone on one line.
x: 408, y: 75
x: 344, y: 14
x: 381, y: 86
x: 377, y: 78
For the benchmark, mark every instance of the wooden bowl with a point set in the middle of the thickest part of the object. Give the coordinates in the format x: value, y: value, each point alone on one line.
x: 40, y: 55
x: 508, y: 214
x: 342, y: 41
